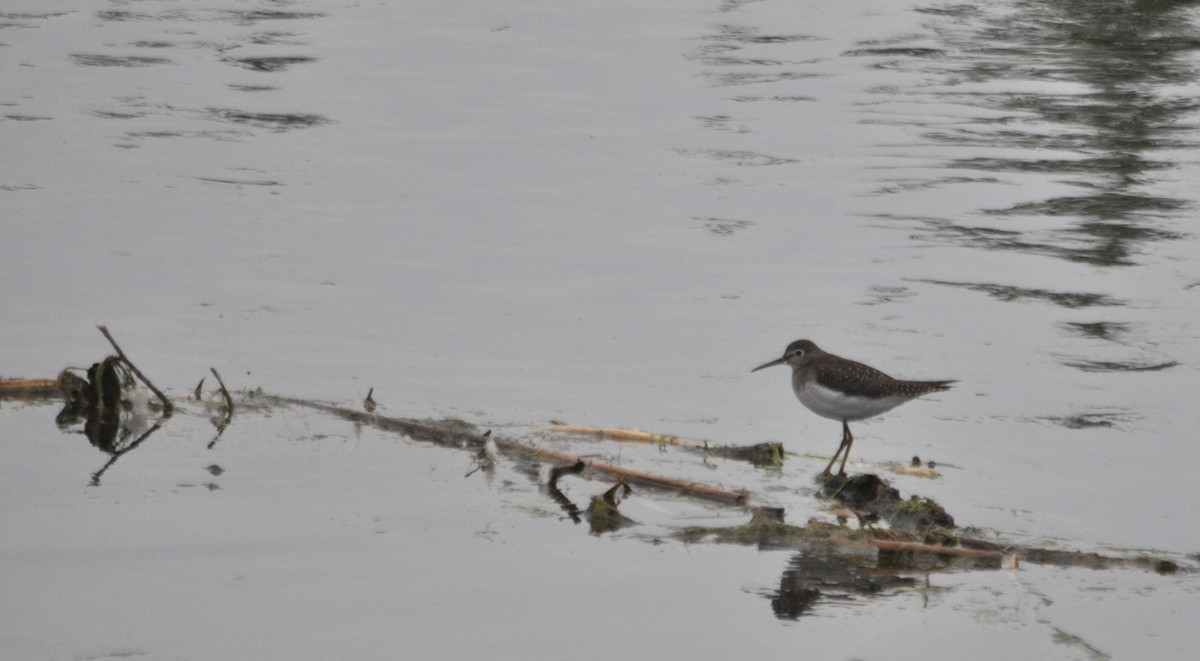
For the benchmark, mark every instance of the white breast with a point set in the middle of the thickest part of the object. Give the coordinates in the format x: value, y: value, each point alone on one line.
x: 833, y: 404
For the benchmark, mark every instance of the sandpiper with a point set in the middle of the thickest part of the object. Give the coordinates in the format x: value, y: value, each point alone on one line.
x: 842, y: 389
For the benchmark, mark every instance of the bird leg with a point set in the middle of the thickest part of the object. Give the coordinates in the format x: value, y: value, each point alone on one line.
x: 847, y: 441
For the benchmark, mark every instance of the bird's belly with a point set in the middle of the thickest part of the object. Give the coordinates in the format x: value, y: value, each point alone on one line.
x: 830, y: 403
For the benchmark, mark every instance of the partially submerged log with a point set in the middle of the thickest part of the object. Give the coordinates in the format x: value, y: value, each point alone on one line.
x: 919, y: 532
x: 460, y: 438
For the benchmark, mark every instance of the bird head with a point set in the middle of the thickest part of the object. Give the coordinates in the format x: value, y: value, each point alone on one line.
x: 797, y: 354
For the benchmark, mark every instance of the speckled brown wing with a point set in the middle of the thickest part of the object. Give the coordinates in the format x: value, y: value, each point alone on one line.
x: 856, y: 379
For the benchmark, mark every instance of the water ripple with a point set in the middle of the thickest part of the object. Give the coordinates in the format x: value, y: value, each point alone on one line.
x: 270, y: 64
x: 1064, y: 299
x: 1097, y: 94
x: 284, y: 121
x: 96, y: 60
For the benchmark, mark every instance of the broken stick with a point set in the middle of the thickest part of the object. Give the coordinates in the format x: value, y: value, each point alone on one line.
x: 224, y: 392
x: 168, y: 407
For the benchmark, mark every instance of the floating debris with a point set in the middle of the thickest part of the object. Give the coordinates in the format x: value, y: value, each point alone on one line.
x: 604, y: 513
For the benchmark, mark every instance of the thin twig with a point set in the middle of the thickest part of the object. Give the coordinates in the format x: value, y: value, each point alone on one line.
x: 623, y: 434
x: 761, y: 454
x: 168, y: 407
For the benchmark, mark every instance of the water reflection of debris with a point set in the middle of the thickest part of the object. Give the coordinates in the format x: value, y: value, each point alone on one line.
x: 548, y: 476
x: 831, y: 574
x: 113, y: 412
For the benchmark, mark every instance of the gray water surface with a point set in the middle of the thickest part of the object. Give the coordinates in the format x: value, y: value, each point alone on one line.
x: 605, y: 214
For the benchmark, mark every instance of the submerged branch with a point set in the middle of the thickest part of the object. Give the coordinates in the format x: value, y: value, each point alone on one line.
x: 935, y: 549
x: 457, y: 438
x: 919, y: 532
x: 917, y: 527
